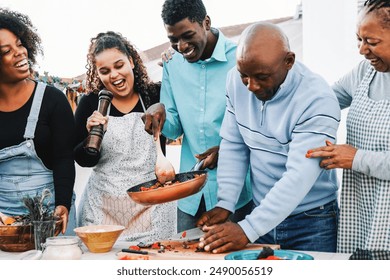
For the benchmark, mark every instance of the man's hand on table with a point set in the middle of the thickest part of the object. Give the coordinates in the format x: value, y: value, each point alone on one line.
x: 223, y: 237
x: 216, y: 215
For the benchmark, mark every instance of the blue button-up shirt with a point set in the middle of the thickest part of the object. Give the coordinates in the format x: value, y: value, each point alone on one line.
x: 194, y: 96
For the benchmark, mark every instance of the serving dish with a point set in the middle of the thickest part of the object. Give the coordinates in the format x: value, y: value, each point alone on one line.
x: 20, y: 238
x: 16, y: 238
x: 99, y: 238
x: 184, y: 184
x: 253, y: 254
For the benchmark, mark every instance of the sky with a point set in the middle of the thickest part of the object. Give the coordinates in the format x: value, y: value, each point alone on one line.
x: 67, y: 26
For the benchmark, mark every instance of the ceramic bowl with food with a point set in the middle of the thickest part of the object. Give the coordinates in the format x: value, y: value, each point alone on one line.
x: 184, y: 184
x: 99, y: 238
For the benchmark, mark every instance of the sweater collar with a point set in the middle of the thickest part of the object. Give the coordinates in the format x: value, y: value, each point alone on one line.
x: 287, y: 84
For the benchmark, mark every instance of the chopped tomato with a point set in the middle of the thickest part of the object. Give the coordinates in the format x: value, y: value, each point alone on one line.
x: 272, y: 258
x: 184, y: 234
x: 134, y: 247
x: 132, y: 257
x: 156, y: 245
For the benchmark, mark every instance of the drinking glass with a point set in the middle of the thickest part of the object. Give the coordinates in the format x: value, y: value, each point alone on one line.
x: 43, y: 230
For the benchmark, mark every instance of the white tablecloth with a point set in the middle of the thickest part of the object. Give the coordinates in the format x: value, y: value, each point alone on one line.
x: 112, y: 255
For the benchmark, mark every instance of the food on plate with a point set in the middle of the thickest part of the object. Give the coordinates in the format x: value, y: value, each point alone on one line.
x: 267, y: 254
x: 272, y: 258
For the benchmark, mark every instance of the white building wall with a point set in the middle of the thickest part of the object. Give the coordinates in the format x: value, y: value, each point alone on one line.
x: 329, y: 36
x: 329, y: 43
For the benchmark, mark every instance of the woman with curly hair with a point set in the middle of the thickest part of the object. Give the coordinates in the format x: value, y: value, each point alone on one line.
x: 37, y: 126
x: 128, y: 153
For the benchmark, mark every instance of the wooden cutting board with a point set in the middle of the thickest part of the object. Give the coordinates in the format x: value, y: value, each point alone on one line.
x: 176, y: 250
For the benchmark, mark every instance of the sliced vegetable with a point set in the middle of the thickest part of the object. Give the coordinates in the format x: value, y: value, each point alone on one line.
x: 268, y: 254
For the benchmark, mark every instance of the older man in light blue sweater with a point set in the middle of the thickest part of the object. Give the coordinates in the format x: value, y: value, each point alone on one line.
x: 276, y: 109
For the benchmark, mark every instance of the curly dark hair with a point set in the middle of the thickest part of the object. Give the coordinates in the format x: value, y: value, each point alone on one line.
x: 109, y: 40
x: 21, y: 25
x: 381, y: 8
x: 174, y: 11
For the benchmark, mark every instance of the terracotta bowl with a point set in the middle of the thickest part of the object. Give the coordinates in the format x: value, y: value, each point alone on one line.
x: 16, y: 238
x: 185, y: 184
x: 20, y: 238
x: 99, y: 238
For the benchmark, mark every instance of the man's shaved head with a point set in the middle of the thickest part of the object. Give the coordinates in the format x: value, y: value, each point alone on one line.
x: 264, y: 59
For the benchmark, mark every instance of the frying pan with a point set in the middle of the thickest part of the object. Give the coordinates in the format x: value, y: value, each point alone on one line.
x: 184, y: 184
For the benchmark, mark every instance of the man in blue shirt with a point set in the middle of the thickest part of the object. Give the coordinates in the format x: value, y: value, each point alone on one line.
x: 193, y: 93
x: 276, y: 109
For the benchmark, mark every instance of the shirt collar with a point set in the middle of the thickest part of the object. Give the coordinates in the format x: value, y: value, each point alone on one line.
x: 219, y: 52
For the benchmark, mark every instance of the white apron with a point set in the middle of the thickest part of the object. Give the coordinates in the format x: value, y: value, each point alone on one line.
x: 365, y: 201
x: 128, y: 157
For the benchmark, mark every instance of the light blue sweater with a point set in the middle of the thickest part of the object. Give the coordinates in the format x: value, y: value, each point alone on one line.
x: 274, y: 137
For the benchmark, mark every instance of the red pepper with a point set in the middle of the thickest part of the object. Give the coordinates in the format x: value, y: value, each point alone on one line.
x: 272, y: 258
x: 156, y: 245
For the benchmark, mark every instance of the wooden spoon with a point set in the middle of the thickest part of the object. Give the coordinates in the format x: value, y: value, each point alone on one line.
x: 164, y: 169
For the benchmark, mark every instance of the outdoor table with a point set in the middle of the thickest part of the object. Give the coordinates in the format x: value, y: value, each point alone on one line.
x: 178, y: 255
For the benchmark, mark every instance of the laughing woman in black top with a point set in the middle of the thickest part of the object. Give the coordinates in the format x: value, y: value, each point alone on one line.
x: 36, y: 126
